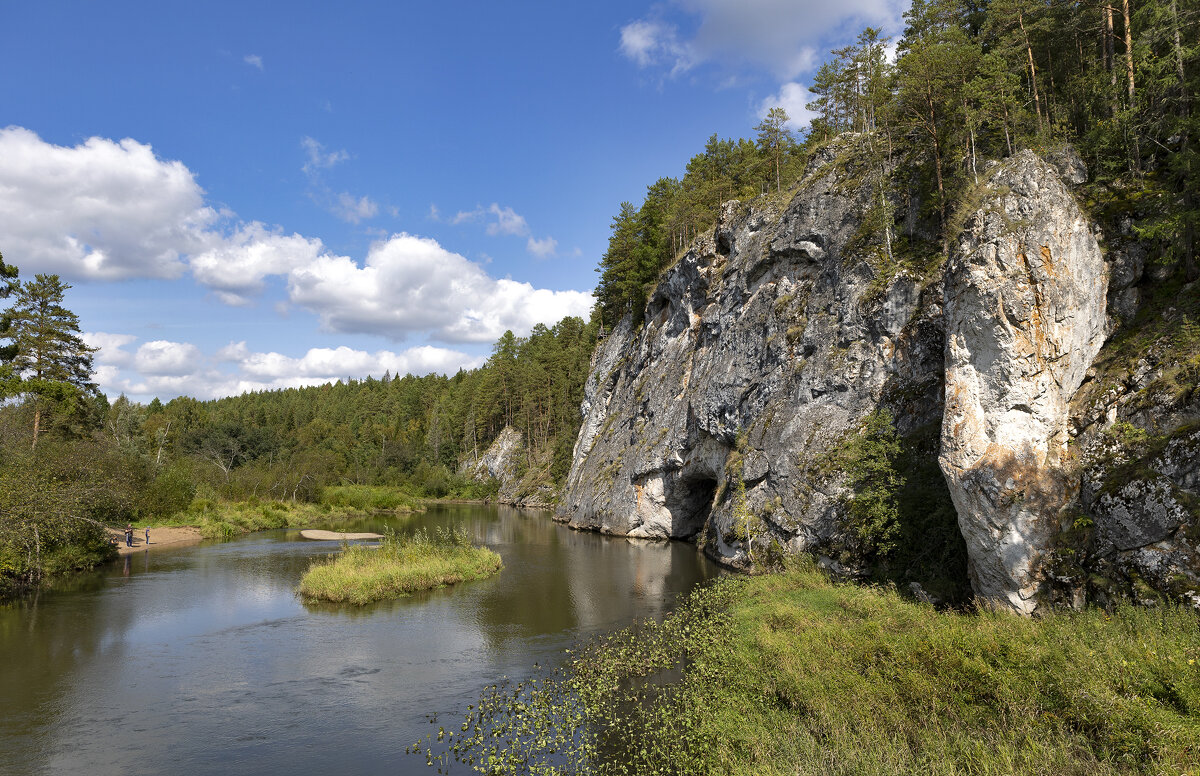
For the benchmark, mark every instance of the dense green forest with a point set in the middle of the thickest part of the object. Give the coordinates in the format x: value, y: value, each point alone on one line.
x: 969, y: 82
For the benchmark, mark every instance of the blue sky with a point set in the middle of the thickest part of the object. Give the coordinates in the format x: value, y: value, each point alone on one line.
x: 251, y: 195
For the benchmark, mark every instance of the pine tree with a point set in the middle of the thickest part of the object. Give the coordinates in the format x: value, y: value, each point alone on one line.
x: 52, y: 361
x: 774, y: 138
x: 8, y: 284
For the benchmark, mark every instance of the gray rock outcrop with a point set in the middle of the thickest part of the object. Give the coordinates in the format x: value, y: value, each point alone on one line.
x: 505, y: 461
x: 499, y: 460
x: 760, y: 350
x: 721, y: 413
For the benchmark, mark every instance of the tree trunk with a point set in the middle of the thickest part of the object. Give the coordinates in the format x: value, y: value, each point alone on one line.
x: 1190, y: 269
x: 1109, y: 57
x: 937, y: 167
x: 37, y: 422
x: 1007, y: 137
x: 1037, y: 101
x: 1137, y: 153
x: 1128, y: 47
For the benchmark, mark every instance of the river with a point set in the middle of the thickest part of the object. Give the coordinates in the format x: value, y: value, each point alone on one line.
x: 202, y: 660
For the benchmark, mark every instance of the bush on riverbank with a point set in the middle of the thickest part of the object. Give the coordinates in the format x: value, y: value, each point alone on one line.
x: 369, y: 498
x: 398, y: 566
x: 791, y: 674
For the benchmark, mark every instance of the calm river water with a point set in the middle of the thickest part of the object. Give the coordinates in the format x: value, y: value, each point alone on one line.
x: 202, y: 660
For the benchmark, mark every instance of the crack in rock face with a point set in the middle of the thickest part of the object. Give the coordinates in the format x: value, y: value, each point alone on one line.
x: 1025, y: 317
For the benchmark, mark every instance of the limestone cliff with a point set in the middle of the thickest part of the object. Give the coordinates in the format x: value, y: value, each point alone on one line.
x: 720, y: 415
x: 769, y: 341
x: 505, y: 461
x: 1025, y: 296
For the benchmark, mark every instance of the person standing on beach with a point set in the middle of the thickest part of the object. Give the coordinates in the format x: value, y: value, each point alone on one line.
x: 129, y: 535
x: 147, y: 534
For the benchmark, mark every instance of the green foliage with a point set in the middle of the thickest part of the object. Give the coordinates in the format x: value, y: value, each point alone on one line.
x: 646, y: 240
x: 787, y: 673
x: 872, y: 518
x: 929, y: 547
x: 971, y: 82
x: 397, y: 567
x: 370, y: 498
x: 264, y: 460
x: 51, y: 504
x: 218, y: 519
x: 50, y: 364
x: 170, y: 491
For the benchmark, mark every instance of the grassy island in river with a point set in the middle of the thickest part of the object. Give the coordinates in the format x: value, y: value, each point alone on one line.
x: 398, y: 566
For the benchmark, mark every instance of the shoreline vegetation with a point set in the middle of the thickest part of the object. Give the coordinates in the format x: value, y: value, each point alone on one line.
x: 220, y: 519
x: 205, y: 517
x: 397, y: 566
x: 790, y: 673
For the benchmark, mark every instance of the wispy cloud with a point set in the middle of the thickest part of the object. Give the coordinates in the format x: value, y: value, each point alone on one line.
x: 318, y: 157
x: 254, y: 60
x: 344, y: 205
x: 543, y: 248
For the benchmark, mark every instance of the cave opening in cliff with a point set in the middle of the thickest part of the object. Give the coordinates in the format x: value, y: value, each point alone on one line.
x: 692, y: 505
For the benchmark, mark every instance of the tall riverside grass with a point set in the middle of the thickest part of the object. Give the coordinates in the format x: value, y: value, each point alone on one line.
x: 371, y: 498
x: 398, y: 566
x: 788, y: 673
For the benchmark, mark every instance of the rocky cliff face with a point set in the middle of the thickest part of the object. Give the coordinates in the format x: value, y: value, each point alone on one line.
x: 721, y: 415
x: 1025, y: 295
x: 505, y: 462
x: 769, y: 341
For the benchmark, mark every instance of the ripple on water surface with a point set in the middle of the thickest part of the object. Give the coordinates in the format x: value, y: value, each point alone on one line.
x: 203, y: 660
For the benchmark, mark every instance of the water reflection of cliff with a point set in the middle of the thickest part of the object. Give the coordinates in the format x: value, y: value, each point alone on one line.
x: 557, y: 579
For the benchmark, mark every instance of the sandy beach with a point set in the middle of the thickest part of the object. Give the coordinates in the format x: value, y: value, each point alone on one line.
x: 167, y: 536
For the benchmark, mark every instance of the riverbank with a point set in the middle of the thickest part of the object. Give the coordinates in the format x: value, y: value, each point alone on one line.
x: 225, y: 519
x: 161, y: 537
x: 789, y: 673
x: 397, y: 567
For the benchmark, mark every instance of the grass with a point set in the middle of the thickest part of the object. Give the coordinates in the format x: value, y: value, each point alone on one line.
x: 399, y: 566
x: 371, y: 498
x: 218, y: 518
x: 789, y: 673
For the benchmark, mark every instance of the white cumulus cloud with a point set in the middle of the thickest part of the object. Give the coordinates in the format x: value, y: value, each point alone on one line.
x: 500, y: 220
x: 162, y: 358
x: 318, y: 158
x: 235, y: 266
x: 101, y: 210
x: 543, y: 248
x: 651, y: 42
x: 109, y: 347
x: 793, y: 98
x: 107, y: 211
x: 169, y: 369
x: 353, y: 210
x: 411, y: 284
